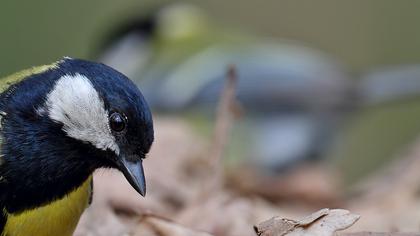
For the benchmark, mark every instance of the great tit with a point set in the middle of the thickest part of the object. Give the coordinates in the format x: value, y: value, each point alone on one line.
x: 59, y: 123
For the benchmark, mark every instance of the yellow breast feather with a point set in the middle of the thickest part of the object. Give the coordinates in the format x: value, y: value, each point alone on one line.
x: 58, y: 218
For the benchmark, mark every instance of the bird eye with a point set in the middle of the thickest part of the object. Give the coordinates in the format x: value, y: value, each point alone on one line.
x: 117, y: 122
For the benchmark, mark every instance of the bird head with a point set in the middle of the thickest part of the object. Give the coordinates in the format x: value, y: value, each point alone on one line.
x: 73, y: 118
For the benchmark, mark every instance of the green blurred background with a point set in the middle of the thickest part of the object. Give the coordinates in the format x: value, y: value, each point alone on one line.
x: 360, y: 33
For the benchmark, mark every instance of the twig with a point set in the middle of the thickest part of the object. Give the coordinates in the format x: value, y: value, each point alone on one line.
x: 224, y: 118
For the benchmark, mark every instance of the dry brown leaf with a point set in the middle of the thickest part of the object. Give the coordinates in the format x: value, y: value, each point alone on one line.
x: 313, y: 217
x: 321, y: 223
x: 275, y: 226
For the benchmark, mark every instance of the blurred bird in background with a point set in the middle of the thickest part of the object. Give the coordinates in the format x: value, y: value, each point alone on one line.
x: 293, y: 96
x: 300, y: 103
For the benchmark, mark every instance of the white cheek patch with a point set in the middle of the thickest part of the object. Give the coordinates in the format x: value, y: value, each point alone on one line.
x: 76, y: 104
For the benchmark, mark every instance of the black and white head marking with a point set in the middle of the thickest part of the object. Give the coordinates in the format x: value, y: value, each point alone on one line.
x: 76, y: 104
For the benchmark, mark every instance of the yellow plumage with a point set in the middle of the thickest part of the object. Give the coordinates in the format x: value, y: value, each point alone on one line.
x: 58, y: 218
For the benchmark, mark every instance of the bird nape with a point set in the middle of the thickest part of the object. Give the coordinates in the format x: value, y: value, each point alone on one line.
x: 58, y: 123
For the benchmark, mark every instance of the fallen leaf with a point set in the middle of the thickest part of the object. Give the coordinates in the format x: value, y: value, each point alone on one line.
x: 324, y: 222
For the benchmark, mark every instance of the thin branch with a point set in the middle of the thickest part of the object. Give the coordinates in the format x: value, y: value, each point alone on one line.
x: 224, y: 117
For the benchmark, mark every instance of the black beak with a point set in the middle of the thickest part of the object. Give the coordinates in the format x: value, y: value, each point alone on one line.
x: 133, y: 172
